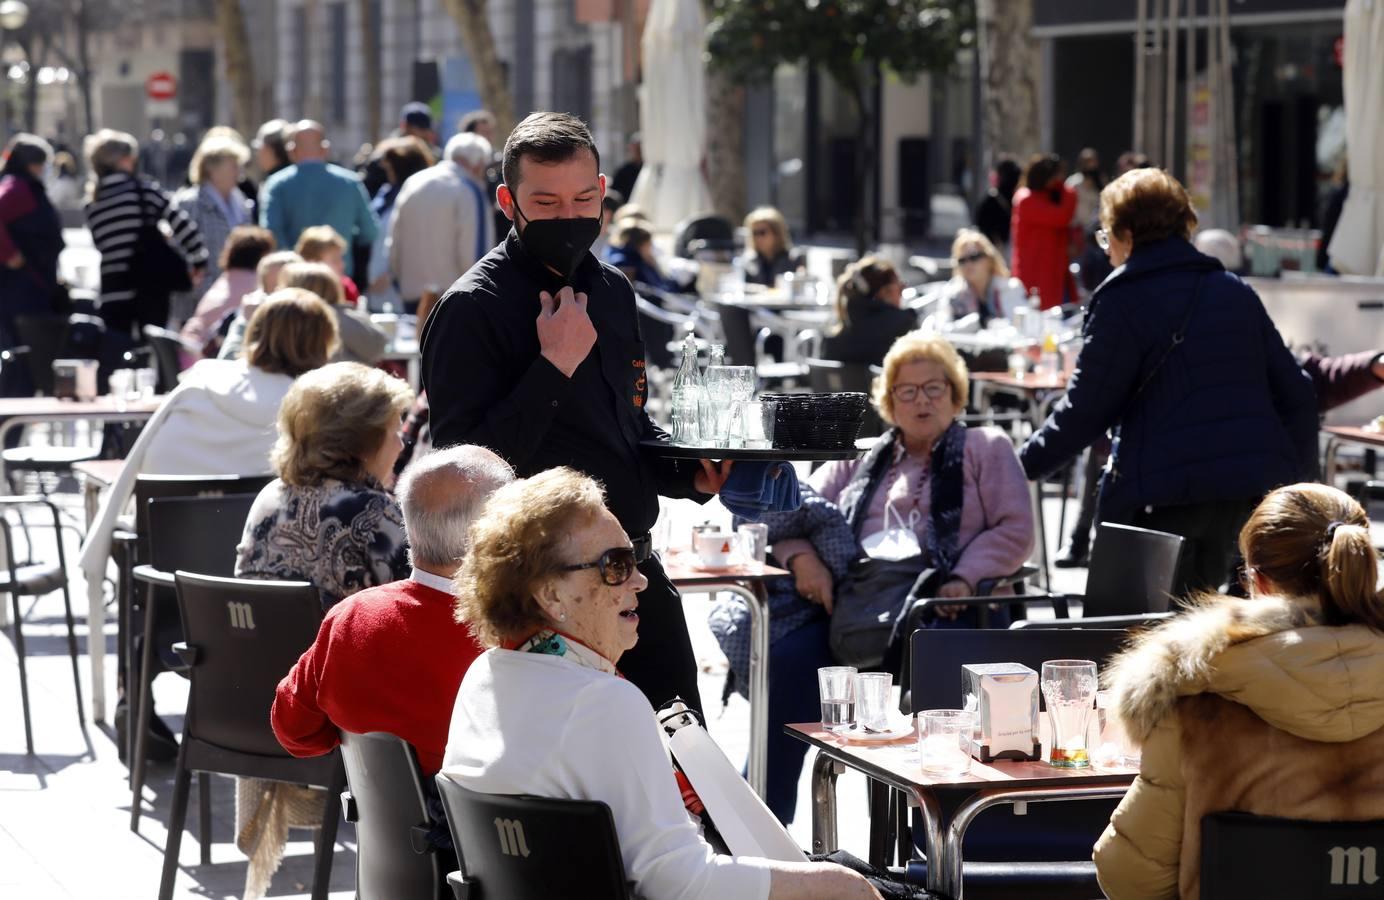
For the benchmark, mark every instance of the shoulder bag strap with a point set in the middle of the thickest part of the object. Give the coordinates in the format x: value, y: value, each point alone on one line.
x: 1178, y: 337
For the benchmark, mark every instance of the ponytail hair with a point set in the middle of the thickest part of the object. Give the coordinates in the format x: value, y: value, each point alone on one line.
x: 861, y: 281
x: 1313, y: 541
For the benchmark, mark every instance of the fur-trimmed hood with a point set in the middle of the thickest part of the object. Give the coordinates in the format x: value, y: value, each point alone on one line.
x: 1270, y: 654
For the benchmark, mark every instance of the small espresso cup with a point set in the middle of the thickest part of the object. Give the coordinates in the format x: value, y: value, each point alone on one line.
x: 714, y: 548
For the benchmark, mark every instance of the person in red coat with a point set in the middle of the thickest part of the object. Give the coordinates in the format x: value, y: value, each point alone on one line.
x: 1039, y: 230
x: 391, y: 658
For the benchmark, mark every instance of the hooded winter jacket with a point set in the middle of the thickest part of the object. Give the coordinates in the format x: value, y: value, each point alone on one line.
x: 1241, y: 705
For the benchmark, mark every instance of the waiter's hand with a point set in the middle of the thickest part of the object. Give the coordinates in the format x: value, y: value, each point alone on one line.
x: 565, y: 332
x: 712, y: 477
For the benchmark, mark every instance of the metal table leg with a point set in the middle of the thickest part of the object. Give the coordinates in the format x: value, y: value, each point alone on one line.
x: 949, y: 871
x: 1333, y: 444
x: 824, y: 773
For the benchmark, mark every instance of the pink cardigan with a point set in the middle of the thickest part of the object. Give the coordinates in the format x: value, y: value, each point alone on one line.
x: 996, y: 513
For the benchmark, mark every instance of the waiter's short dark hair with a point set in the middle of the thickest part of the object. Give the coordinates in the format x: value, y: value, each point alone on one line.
x: 546, y: 137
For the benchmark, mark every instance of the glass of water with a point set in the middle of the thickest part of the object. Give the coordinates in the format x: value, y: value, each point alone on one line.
x: 836, y: 685
x: 873, y: 691
x: 757, y: 423
x: 944, y: 741
x: 754, y: 542
x: 1069, y: 689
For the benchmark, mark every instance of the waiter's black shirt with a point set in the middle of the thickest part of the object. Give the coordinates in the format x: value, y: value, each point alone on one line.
x: 488, y: 383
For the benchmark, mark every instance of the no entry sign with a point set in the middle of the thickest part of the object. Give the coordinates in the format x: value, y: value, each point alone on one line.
x: 161, y: 86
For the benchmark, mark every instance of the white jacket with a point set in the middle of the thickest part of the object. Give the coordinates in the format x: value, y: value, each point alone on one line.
x: 441, y: 226
x: 219, y: 421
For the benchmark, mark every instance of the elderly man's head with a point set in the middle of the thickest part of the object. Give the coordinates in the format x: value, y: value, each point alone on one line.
x: 441, y: 494
x: 470, y: 151
x: 307, y: 141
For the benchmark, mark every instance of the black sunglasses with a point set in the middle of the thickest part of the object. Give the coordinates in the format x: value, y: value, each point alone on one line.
x: 616, y: 565
x: 971, y: 257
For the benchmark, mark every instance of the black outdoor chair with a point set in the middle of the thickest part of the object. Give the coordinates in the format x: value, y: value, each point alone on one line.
x: 1133, y: 571
x: 242, y: 636
x: 1045, y: 853
x: 745, y: 346
x: 1305, y: 860
x: 385, y: 799
x: 191, y: 534
x: 531, y: 848
x: 704, y: 234
x: 130, y: 548
x: 36, y: 580
x: 42, y: 338
x: 166, y: 346
x: 1127, y: 623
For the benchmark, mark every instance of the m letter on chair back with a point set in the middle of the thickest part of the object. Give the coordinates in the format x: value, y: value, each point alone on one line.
x: 1258, y: 856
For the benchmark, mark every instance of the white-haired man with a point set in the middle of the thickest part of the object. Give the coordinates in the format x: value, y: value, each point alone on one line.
x: 391, y: 658
x: 442, y: 221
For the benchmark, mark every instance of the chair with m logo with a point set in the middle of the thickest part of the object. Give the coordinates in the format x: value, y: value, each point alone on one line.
x: 387, y: 803
x: 235, y: 670
x: 1309, y: 860
x: 531, y: 848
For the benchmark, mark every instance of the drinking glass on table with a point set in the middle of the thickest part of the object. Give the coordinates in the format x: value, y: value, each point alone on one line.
x: 944, y: 741
x: 836, y: 687
x: 754, y: 542
x: 1069, y: 689
x: 873, y: 691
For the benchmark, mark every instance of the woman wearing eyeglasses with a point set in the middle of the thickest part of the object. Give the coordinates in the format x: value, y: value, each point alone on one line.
x: 551, y: 585
x: 931, y: 491
x: 1183, y: 365
x: 769, y: 252
x: 869, y: 317
x: 982, y: 284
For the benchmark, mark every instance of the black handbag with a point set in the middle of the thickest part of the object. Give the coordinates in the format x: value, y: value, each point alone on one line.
x: 869, y: 602
x: 158, y: 267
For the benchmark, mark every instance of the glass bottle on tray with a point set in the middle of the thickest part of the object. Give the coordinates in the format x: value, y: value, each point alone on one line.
x: 687, y: 394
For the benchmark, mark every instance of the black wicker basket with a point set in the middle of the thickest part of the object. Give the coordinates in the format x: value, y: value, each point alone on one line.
x: 817, y: 421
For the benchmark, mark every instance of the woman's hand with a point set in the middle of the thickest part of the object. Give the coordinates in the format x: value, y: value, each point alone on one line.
x: 956, y: 587
x: 812, y: 578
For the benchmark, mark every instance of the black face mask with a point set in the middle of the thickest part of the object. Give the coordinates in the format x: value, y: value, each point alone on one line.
x: 559, y: 244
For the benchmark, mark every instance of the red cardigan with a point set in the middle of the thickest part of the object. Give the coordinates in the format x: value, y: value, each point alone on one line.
x: 1039, y: 236
x: 389, y: 658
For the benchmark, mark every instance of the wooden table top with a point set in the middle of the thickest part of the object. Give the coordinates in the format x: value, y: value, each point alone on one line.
x: 899, y: 761
x: 103, y: 472
x: 1356, y: 433
x: 52, y: 407
x: 684, y: 570
x: 1024, y: 383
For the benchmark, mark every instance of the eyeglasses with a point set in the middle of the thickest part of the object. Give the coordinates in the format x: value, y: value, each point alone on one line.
x: 970, y: 258
x: 907, y: 393
x: 617, y: 565
x: 761, y: 232
x: 1103, y: 240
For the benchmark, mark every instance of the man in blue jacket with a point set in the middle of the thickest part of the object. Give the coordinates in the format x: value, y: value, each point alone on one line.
x: 1181, y: 362
x: 314, y: 192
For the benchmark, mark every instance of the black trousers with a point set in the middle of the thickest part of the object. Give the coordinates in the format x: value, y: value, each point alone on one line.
x: 662, y: 664
x: 1211, y: 531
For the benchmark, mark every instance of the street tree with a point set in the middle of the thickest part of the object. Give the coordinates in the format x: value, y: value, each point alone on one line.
x: 474, y: 25
x: 240, y: 65
x: 854, y: 41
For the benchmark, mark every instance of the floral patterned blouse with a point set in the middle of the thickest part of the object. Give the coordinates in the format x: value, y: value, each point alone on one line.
x: 341, y: 537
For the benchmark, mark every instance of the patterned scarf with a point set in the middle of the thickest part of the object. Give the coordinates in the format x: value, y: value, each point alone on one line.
x: 941, y: 545
x: 553, y: 643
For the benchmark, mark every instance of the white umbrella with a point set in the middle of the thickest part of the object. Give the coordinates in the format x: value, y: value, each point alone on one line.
x: 672, y: 112
x: 1355, y: 247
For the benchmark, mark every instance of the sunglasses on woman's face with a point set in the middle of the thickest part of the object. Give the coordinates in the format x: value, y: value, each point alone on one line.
x: 970, y: 258
x: 617, y: 565
x: 761, y: 232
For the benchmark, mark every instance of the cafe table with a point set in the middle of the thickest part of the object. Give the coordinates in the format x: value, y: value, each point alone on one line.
x: 1350, y: 434
x: 1041, y: 391
x: 95, y: 476
x: 896, y: 765
x: 746, y: 581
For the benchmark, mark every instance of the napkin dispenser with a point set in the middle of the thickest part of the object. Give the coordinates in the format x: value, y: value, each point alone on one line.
x: 1004, y: 698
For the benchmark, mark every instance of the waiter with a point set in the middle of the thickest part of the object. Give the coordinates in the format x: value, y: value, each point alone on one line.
x: 536, y: 353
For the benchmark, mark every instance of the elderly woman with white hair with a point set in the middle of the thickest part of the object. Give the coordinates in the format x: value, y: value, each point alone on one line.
x: 442, y: 221
x: 215, y: 202
x: 122, y: 208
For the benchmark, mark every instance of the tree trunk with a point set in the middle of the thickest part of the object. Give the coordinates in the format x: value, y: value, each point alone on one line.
x: 474, y: 26
x: 1010, y: 63
x: 374, y: 98
x: 83, y: 22
x: 240, y: 65
x: 725, y: 145
x: 37, y: 60
x: 864, y: 158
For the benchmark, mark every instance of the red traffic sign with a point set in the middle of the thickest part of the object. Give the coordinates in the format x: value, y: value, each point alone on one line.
x: 161, y: 86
